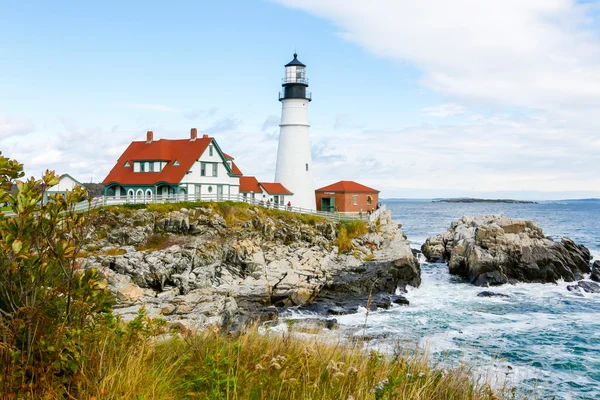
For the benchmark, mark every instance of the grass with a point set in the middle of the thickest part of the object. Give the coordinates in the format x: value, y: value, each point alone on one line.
x: 158, y: 241
x: 214, y: 365
x: 234, y: 213
x: 348, y: 230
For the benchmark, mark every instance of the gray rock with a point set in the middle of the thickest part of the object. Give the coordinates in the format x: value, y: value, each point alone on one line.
x: 486, y: 293
x: 589, y: 287
x: 595, y: 271
x: 493, y: 250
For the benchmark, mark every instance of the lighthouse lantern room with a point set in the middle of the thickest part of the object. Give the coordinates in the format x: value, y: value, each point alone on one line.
x: 294, y: 160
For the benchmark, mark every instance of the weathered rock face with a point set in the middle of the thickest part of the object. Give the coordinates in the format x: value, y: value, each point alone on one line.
x: 493, y: 250
x: 595, y: 271
x: 192, y: 269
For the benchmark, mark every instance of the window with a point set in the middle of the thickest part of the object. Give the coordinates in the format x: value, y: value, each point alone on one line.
x: 210, y: 189
x: 202, y: 169
x: 369, y: 200
x: 355, y: 200
x: 307, y: 167
x: 176, y: 163
x: 197, y: 189
x: 210, y: 150
x: 142, y: 167
x: 151, y: 169
x: 127, y: 165
x: 214, y: 171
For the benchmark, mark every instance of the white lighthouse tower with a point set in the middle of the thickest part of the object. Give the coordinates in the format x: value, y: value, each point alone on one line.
x: 294, y: 160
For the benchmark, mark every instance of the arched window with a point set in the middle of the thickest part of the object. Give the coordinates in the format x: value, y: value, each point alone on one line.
x: 139, y: 194
x: 110, y: 191
x: 148, y: 194
x: 130, y: 194
x: 369, y: 200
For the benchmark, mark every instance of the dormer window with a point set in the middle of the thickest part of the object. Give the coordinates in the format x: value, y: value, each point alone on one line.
x: 176, y: 163
x: 210, y: 150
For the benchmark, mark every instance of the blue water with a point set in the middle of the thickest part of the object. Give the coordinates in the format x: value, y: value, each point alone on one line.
x: 549, y: 337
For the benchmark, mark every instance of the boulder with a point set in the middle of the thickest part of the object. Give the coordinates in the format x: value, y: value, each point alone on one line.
x: 589, y: 287
x: 494, y: 250
x: 595, y: 271
x: 486, y: 293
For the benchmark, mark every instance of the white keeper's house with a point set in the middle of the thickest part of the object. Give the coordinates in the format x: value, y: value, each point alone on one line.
x: 65, y: 182
x: 189, y: 168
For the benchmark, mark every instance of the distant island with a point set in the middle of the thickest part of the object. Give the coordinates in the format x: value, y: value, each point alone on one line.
x: 470, y: 200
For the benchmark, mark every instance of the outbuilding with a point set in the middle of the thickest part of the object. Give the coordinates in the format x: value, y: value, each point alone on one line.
x: 346, y: 197
x: 65, y: 183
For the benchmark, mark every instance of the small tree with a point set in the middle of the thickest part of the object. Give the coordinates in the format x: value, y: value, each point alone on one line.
x: 47, y: 301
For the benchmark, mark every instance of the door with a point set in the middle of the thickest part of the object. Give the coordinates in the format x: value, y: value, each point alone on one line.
x: 219, y: 192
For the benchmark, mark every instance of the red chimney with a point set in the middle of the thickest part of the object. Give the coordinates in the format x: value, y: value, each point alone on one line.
x: 149, y: 136
x: 205, y: 136
x: 193, y: 134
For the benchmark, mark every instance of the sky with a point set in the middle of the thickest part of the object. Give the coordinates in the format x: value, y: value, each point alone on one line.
x: 479, y: 98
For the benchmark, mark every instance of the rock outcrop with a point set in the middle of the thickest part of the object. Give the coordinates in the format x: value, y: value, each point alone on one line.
x: 193, y: 268
x: 595, y: 271
x: 493, y: 250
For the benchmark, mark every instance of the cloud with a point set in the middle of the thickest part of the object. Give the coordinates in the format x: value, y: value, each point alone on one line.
x: 151, y: 107
x: 540, y: 54
x: 11, y: 126
x: 443, y: 110
x: 272, y: 121
x: 322, y: 153
x: 225, y: 124
x: 346, y: 122
x: 195, y: 114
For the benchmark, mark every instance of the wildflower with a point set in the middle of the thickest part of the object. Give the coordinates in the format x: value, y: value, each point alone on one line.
x: 379, y: 386
x: 338, y: 375
x: 259, y: 367
x: 352, y: 371
x: 274, y: 363
x: 421, y: 374
x: 409, y: 374
x: 350, y: 398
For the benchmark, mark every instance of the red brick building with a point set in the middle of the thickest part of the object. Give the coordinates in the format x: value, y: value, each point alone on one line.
x: 346, y: 197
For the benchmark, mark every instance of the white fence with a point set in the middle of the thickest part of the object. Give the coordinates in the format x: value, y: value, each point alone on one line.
x: 120, y: 200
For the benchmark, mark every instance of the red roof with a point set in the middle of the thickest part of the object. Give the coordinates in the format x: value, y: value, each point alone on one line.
x: 185, y: 151
x: 347, y: 186
x: 227, y: 156
x: 234, y: 168
x: 274, y: 188
x: 249, y: 184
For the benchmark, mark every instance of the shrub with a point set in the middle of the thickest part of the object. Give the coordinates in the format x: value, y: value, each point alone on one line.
x: 47, y: 301
x: 355, y: 228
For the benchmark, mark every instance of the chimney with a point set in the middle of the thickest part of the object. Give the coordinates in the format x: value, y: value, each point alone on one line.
x: 193, y: 134
x: 205, y: 136
x: 149, y: 136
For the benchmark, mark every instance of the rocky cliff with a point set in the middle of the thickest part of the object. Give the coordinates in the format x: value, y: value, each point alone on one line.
x: 493, y: 250
x: 225, y: 264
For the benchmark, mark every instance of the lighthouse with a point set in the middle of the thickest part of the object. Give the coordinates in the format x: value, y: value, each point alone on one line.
x: 294, y: 160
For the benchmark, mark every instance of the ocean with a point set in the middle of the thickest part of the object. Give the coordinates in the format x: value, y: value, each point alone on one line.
x: 542, y: 339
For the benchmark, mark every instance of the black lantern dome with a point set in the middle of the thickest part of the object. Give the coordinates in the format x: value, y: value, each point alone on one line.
x: 295, y: 81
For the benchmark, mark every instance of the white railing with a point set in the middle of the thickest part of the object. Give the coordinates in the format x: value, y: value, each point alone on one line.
x: 377, y: 213
x: 102, y: 201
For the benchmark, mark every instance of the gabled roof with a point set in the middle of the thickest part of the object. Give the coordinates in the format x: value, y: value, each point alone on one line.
x: 234, y: 167
x: 227, y: 156
x: 249, y: 184
x: 73, y: 179
x: 274, y: 188
x: 184, y: 151
x: 347, y: 186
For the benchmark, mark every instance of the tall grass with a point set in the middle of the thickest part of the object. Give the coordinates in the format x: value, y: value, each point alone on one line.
x: 348, y: 230
x: 213, y: 365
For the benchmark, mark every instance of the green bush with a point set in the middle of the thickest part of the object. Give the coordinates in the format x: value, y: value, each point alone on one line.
x: 47, y: 301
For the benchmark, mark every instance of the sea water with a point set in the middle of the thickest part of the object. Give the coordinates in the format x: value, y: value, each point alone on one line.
x: 542, y: 339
